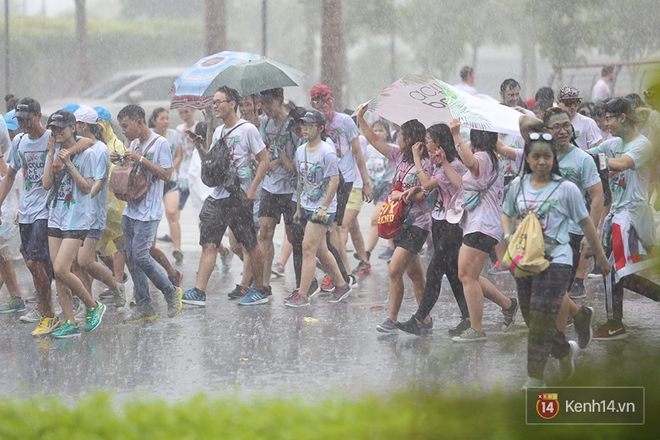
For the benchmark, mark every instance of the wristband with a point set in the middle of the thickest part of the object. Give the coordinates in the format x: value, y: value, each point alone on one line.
x: 141, y: 157
x: 325, y: 208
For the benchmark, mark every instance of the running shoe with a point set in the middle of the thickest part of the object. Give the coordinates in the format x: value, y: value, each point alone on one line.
x: 533, y: 383
x: 594, y: 274
x: 226, y: 260
x: 387, y: 326
x: 176, y: 279
x: 178, y: 256
x: 46, y: 326
x: 238, y: 292
x: 296, y: 300
x: 386, y: 254
x: 106, y: 294
x: 141, y: 314
x: 194, y: 297
x: 253, y: 297
x: 427, y: 326
x: 119, y: 295
x: 566, y: 369
x: 32, y: 316
x: 94, y: 316
x: 166, y: 238
x: 174, y: 303
x: 611, y: 331
x: 355, y: 255
x: 14, y: 305
x: 583, y: 323
x: 277, y: 269
x: 67, y: 330
x: 363, y: 268
x: 314, y: 289
x: 470, y: 335
x: 340, y: 293
x: 510, y: 315
x: 577, y: 289
x: 327, y: 285
x: 410, y: 326
x: 460, y: 328
x: 497, y: 269
x: 79, y: 309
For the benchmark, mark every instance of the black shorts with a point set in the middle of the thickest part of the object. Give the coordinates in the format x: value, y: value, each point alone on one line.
x: 411, y: 238
x: 34, y: 240
x: 58, y: 233
x: 605, y: 180
x: 343, y: 193
x: 276, y: 206
x: 574, y: 242
x: 480, y: 241
x: 216, y: 215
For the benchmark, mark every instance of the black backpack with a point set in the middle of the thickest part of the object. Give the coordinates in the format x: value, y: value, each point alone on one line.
x: 216, y: 163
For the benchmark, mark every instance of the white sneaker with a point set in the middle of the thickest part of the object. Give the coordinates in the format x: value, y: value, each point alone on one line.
x: 31, y: 316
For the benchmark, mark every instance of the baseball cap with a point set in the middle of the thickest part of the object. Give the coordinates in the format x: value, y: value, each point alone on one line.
x: 86, y: 114
x: 314, y: 117
x: 320, y: 91
x: 103, y: 113
x: 61, y: 119
x: 71, y: 108
x: 10, y: 120
x: 27, y: 108
x: 569, y: 92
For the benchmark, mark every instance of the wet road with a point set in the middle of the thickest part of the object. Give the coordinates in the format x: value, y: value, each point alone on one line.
x: 274, y: 350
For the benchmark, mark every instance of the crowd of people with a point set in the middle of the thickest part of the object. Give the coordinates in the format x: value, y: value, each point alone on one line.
x: 585, y: 170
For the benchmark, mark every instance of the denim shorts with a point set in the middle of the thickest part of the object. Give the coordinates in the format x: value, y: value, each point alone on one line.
x: 308, y: 216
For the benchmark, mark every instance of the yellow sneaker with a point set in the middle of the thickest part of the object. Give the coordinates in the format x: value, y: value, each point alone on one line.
x: 46, y: 326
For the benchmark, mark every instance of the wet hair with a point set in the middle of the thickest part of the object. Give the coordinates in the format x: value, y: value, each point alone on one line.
x: 413, y: 131
x: 587, y: 105
x: 545, y: 94
x: 606, y: 70
x: 275, y: 93
x: 465, y: 72
x: 383, y: 123
x: 599, y: 110
x: 441, y: 135
x: 542, y: 105
x: 636, y: 99
x: 231, y: 95
x: 154, y: 115
x: 509, y: 83
x: 618, y: 106
x: 553, y: 148
x: 486, y: 141
x: 10, y: 102
x: 134, y: 112
x: 552, y: 111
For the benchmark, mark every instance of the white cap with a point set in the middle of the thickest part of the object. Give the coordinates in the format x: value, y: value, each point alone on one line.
x: 86, y: 114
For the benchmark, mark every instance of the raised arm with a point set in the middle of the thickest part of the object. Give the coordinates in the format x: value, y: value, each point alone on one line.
x: 380, y: 145
x: 529, y: 124
x: 505, y: 150
x: 465, y: 152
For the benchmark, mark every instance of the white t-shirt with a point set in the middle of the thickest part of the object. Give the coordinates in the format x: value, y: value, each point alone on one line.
x: 601, y: 91
x: 587, y: 133
x: 508, y: 167
x: 485, y: 218
x: 553, y: 209
x: 314, y: 172
x: 342, y: 130
x: 151, y: 207
x: 187, y: 148
x: 379, y: 169
x: 244, y: 142
x: 279, y: 182
x: 578, y: 166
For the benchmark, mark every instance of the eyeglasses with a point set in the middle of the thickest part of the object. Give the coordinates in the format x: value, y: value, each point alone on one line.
x: 318, y: 101
x: 566, y: 126
x: 538, y: 136
x: 649, y: 94
x: 220, y: 101
x: 608, y: 117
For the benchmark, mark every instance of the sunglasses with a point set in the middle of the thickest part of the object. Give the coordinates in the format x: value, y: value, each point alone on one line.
x: 538, y: 136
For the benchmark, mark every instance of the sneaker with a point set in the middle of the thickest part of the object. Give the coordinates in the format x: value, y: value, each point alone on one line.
x: 386, y: 254
x: 510, y: 315
x: 314, y: 289
x: 352, y: 281
x: 32, y: 297
x: 566, y: 369
x: 470, y: 335
x: 610, y: 331
x: 533, y: 383
x: 32, y: 316
x: 277, y: 269
x: 267, y: 290
x: 583, y: 322
x: 67, y: 330
x: 106, y: 294
x: 363, y: 268
x: 497, y: 269
x: 176, y: 279
x: 460, y: 328
x: 252, y: 298
x: 166, y: 238
x: 327, y: 285
x: 594, y: 274
x: 178, y: 256
x: 238, y: 292
x: 94, y: 316
x: 119, y: 295
x: 340, y: 293
x: 427, y: 326
x: 296, y: 300
x: 174, y: 303
x: 14, y: 305
x: 410, y: 326
x: 577, y: 289
x: 387, y: 326
x: 46, y: 325
x: 140, y: 314
x: 194, y: 297
x: 227, y: 260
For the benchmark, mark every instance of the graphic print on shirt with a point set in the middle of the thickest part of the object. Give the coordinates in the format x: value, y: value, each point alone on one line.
x: 65, y: 189
x: 335, y: 133
x: 311, y: 177
x: 33, y: 166
x: 569, y: 173
x: 618, y: 182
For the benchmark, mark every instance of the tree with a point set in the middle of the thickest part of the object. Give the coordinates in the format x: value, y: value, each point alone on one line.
x: 215, y: 26
x: 84, y: 77
x: 332, y: 49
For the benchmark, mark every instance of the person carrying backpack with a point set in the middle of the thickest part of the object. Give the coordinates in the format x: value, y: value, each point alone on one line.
x: 542, y: 192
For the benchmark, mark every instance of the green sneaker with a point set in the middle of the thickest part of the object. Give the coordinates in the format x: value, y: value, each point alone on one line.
x: 14, y: 305
x: 94, y: 316
x: 67, y: 330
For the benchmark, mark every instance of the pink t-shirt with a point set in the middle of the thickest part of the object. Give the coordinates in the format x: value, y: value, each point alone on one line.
x: 485, y: 218
x: 407, y: 174
x: 445, y: 190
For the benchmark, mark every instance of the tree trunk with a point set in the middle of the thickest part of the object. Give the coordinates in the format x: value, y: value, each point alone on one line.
x: 332, y: 49
x: 216, y: 26
x: 84, y: 79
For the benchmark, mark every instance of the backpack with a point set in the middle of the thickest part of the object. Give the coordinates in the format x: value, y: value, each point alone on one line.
x: 129, y: 181
x: 216, y: 163
x: 526, y: 254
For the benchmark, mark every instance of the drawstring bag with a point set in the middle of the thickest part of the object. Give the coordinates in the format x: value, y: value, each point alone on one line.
x: 526, y: 254
x: 390, y: 219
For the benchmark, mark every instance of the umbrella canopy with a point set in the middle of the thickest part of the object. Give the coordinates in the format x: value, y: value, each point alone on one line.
x: 432, y: 101
x: 247, y: 73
